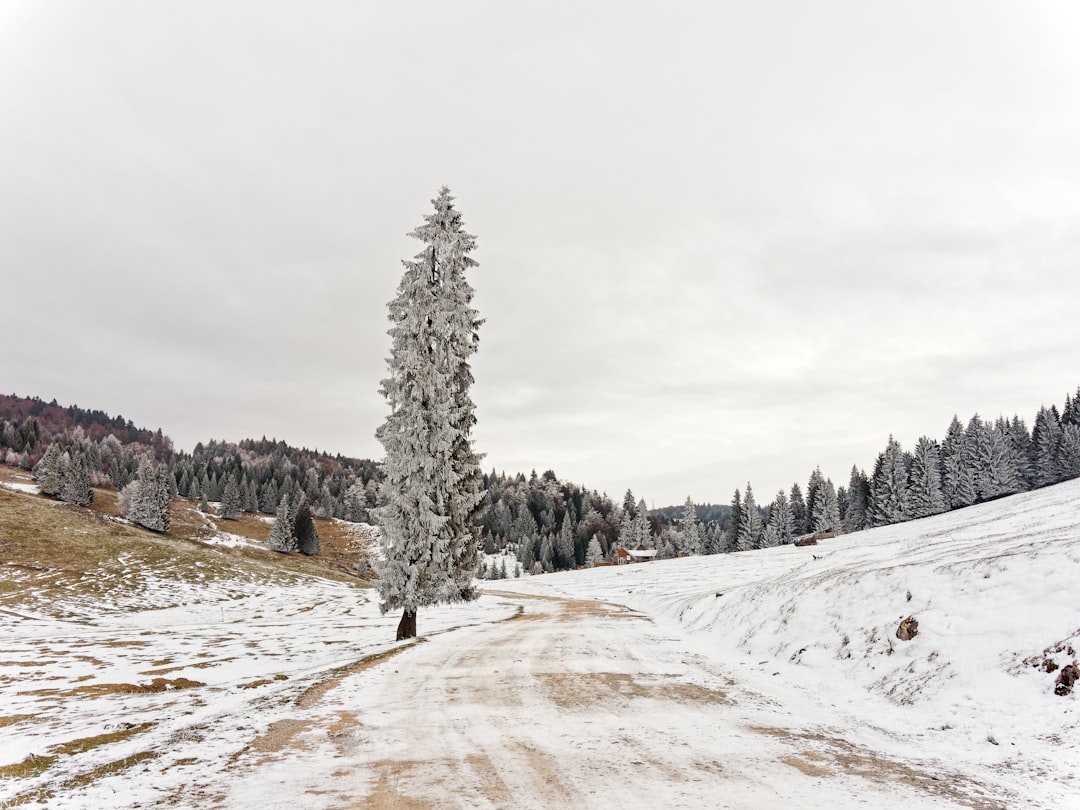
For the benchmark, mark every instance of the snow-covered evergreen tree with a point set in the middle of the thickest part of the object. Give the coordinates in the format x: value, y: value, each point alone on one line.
x: 594, y: 553
x: 47, y: 471
x: 889, y: 501
x: 957, y: 481
x: 642, y: 527
x: 799, y: 513
x: 283, y: 532
x: 269, y: 498
x: 1046, y: 443
x: 989, y: 455
x: 527, y: 552
x: 1069, y: 451
x: 927, y: 497
x: 148, y: 496
x: 815, y: 503
x: 250, y: 495
x: 547, y: 553
x: 356, y: 503
x: 691, y: 530
x: 564, y: 544
x: 75, y: 480
x: 825, y: 508
x: 1021, y: 450
x: 858, y: 495
x: 731, y: 541
x: 628, y: 530
x: 750, y: 524
x: 307, y: 536
x: 231, y: 505
x: 779, y: 525
x: 432, y: 488
x: 784, y: 518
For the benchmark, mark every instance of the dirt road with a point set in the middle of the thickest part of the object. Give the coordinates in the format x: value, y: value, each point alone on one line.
x: 569, y: 704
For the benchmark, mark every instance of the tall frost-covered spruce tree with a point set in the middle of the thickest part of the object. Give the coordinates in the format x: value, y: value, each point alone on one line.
x: 432, y: 490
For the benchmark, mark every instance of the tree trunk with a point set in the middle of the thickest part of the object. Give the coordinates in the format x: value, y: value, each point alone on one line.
x: 407, y: 626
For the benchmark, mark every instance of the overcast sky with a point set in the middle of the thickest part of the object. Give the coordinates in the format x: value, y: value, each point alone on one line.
x: 718, y: 242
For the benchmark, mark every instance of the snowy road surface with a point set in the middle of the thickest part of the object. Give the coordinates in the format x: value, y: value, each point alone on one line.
x: 575, y: 703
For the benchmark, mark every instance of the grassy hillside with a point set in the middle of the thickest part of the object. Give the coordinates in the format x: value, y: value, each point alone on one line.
x: 119, y: 646
x: 52, y: 552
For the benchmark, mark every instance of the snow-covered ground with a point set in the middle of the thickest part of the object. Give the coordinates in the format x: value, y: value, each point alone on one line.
x: 995, y: 589
x: 16, y: 486
x: 229, y: 656
x: 753, y: 680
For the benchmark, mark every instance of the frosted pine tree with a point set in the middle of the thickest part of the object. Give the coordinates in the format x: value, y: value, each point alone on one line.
x: 858, y: 495
x: 927, y: 497
x: 989, y: 454
x: 307, y: 536
x: 564, y: 544
x: 547, y: 553
x: 594, y: 553
x: 750, y: 525
x: 75, y: 480
x: 815, y: 504
x: 889, y: 500
x: 148, y: 497
x: 282, y: 533
x: 1069, y: 451
x: 1070, y: 414
x: 778, y: 527
x: 268, y: 497
x: 47, y: 471
x: 1046, y: 442
x: 1021, y: 448
x: 642, y: 526
x: 628, y: 530
x: 957, y: 477
x: 825, y: 508
x: 691, y: 530
x: 432, y: 488
x: 231, y: 504
x: 799, y: 512
x: 782, y: 515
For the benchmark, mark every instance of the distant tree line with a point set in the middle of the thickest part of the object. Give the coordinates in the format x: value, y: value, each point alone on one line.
x: 972, y: 464
x: 256, y: 475
x: 56, y: 420
x: 548, y: 524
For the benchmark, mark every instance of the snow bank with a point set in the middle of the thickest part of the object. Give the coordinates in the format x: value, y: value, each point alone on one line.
x: 993, y: 587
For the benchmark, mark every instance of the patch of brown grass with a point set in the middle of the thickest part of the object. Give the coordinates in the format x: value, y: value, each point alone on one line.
x: 196, y: 665
x: 12, y: 719
x: 26, y: 663
x: 89, y: 743
x: 93, y: 690
x: 31, y: 766
x: 53, y: 553
x: 108, y: 769
x: 36, y: 764
x: 263, y: 681
x: 820, y: 755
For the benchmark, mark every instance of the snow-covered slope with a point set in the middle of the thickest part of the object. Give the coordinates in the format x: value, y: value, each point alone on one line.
x: 995, y: 589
